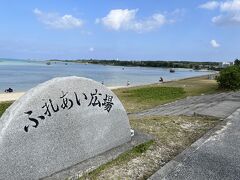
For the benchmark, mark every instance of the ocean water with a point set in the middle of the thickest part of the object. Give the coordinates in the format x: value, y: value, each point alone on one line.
x: 21, y: 75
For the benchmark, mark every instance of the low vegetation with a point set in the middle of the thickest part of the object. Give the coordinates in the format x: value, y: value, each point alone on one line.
x: 4, y: 106
x: 229, y: 77
x: 122, y: 159
x: 196, y: 86
x: 144, y: 97
x: 174, y: 131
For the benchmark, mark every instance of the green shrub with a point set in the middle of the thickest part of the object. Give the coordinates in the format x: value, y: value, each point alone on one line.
x: 229, y: 78
x: 237, y: 62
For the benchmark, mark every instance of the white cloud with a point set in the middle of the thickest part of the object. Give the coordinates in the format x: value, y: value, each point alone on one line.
x: 54, y: 20
x: 91, y: 49
x: 230, y: 19
x: 210, y: 5
x: 125, y: 19
x: 214, y: 43
x: 229, y: 12
x: 230, y: 6
x: 118, y: 18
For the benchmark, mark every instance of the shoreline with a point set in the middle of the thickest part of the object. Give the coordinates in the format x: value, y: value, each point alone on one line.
x: 4, y: 97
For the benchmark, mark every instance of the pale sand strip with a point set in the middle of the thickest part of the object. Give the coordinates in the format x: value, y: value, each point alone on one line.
x: 10, y: 96
x: 117, y: 87
x: 15, y: 95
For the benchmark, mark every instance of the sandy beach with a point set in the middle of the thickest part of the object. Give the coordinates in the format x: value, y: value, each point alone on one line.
x: 16, y: 95
x: 10, y: 96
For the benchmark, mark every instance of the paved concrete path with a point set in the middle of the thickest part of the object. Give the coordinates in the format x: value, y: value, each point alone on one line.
x: 219, y: 105
x: 214, y: 156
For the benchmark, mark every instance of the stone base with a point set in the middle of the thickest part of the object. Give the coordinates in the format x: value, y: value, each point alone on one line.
x: 88, y: 165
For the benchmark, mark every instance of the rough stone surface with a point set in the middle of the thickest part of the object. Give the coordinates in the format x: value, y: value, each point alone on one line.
x: 218, y: 105
x: 36, y: 142
x: 214, y: 156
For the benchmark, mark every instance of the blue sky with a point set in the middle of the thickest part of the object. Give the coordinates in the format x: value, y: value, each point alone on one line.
x: 129, y: 30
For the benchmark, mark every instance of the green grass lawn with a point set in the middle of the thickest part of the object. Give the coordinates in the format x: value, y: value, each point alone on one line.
x: 4, y: 106
x: 139, y: 98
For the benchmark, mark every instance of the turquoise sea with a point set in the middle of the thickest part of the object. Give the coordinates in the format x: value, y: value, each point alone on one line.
x: 21, y: 75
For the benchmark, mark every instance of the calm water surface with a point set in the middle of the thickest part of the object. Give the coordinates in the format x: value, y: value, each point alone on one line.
x: 21, y: 75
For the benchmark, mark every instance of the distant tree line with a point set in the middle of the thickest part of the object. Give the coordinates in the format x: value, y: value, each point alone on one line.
x: 163, y: 64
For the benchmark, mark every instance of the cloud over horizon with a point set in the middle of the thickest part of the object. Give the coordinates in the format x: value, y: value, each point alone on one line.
x: 229, y: 11
x: 56, y: 21
x: 125, y: 19
x: 214, y: 43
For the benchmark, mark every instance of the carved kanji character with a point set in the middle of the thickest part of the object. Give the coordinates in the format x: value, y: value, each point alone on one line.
x: 94, y: 99
x: 108, y: 103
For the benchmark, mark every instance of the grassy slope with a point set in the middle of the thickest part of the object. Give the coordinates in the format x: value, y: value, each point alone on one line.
x: 4, y: 106
x: 195, y: 86
x: 140, y: 98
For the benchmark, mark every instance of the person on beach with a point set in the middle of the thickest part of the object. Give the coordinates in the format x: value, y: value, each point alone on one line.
x: 161, y: 80
x: 128, y: 83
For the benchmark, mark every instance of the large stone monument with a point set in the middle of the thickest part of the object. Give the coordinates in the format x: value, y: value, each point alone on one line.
x: 57, y: 124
